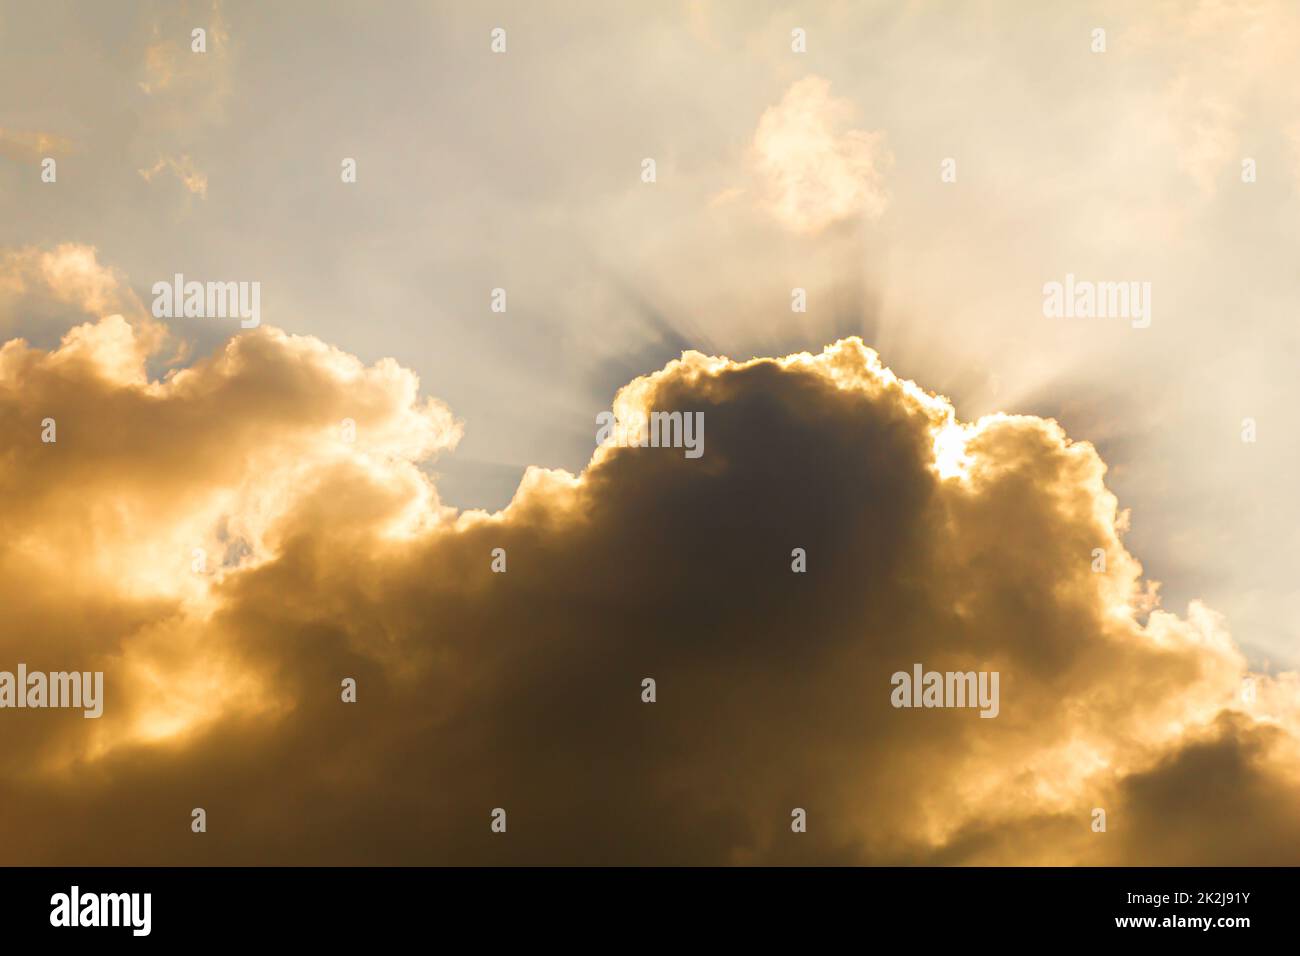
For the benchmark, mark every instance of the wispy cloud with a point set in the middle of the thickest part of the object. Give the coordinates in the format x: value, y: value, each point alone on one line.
x: 815, y: 168
x: 182, y: 167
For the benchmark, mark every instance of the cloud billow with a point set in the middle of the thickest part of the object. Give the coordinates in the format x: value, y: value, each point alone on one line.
x: 964, y: 546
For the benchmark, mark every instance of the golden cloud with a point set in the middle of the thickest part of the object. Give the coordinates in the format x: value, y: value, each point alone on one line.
x: 814, y: 168
x: 187, y: 89
x: 32, y: 145
x: 183, y: 168
x: 327, y: 555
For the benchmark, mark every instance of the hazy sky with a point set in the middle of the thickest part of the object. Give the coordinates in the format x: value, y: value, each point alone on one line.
x: 522, y: 171
x: 774, y: 170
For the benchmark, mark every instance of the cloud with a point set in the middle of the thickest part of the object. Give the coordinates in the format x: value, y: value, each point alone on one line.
x: 46, y: 293
x: 1221, y: 61
x: 959, y: 545
x: 104, y: 525
x: 183, y: 169
x: 815, y: 170
x: 32, y: 146
x: 188, y: 88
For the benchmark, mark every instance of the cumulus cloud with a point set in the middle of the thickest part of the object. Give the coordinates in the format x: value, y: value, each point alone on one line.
x: 959, y: 545
x: 815, y: 169
x: 47, y: 291
x: 70, y: 272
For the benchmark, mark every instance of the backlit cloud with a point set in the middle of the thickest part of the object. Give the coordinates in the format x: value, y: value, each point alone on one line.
x: 327, y: 555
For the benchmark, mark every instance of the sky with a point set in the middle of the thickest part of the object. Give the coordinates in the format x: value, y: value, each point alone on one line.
x: 919, y: 171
